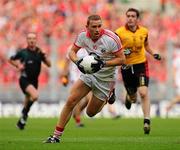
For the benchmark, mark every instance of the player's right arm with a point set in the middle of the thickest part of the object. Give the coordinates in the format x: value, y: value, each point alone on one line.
x: 78, y: 44
x: 16, y: 62
x: 73, y: 53
x: 75, y: 59
x: 64, y: 77
x: 66, y: 67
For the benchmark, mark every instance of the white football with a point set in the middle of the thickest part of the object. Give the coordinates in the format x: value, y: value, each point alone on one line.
x: 87, y: 62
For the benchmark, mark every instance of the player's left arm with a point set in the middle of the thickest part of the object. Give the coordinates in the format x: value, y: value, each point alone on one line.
x: 118, y: 52
x: 155, y: 54
x: 118, y: 60
x: 45, y: 59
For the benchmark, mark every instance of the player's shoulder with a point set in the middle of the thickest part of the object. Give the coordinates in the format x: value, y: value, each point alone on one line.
x: 107, y: 31
x: 110, y: 34
x: 111, y: 37
x: 143, y: 29
x: 120, y: 29
x: 82, y: 33
x: 21, y: 50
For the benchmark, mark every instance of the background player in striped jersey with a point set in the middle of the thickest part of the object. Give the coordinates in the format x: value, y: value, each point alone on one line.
x: 107, y: 46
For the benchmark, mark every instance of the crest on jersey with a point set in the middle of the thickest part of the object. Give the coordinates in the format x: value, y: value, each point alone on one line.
x: 95, y: 47
x: 103, y: 50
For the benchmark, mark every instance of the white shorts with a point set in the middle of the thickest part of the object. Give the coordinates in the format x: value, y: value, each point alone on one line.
x: 101, y: 89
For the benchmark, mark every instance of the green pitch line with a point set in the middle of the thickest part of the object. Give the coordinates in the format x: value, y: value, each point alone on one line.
x: 98, y: 134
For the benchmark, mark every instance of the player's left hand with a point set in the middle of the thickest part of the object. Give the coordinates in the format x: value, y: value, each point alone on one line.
x: 64, y: 80
x: 44, y: 55
x: 99, y: 65
x: 157, y: 56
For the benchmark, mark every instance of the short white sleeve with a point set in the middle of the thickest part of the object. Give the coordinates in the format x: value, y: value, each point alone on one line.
x: 79, y: 42
x: 116, y: 46
x: 114, y: 41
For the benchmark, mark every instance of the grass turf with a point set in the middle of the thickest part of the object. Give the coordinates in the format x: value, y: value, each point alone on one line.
x: 98, y: 134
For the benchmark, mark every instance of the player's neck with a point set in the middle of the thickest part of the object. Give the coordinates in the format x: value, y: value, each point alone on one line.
x: 32, y: 48
x: 133, y: 28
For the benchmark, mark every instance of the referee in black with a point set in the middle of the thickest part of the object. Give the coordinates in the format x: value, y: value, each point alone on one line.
x: 28, y: 62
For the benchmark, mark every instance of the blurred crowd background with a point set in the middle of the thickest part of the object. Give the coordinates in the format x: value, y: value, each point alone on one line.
x: 58, y: 21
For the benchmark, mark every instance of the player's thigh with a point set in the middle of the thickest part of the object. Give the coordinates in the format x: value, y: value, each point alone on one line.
x: 32, y: 92
x: 130, y: 81
x: 78, y: 91
x: 80, y: 106
x: 94, y: 106
x: 83, y: 103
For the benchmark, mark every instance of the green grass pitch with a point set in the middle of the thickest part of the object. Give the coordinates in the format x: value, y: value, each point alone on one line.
x: 98, y: 134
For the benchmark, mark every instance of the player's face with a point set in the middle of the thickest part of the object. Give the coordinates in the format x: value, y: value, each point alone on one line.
x: 31, y: 40
x: 131, y: 18
x: 94, y: 28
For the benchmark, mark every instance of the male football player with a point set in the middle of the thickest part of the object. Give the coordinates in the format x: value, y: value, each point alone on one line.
x: 135, y: 73
x: 107, y: 46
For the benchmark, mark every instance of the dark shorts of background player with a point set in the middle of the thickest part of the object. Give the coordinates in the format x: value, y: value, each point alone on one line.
x: 24, y: 82
x: 135, y: 76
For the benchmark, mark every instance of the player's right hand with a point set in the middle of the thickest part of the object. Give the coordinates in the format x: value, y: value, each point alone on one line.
x: 20, y: 66
x: 81, y: 68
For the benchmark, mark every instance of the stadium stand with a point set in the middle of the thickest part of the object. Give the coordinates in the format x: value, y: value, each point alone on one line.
x: 57, y: 21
